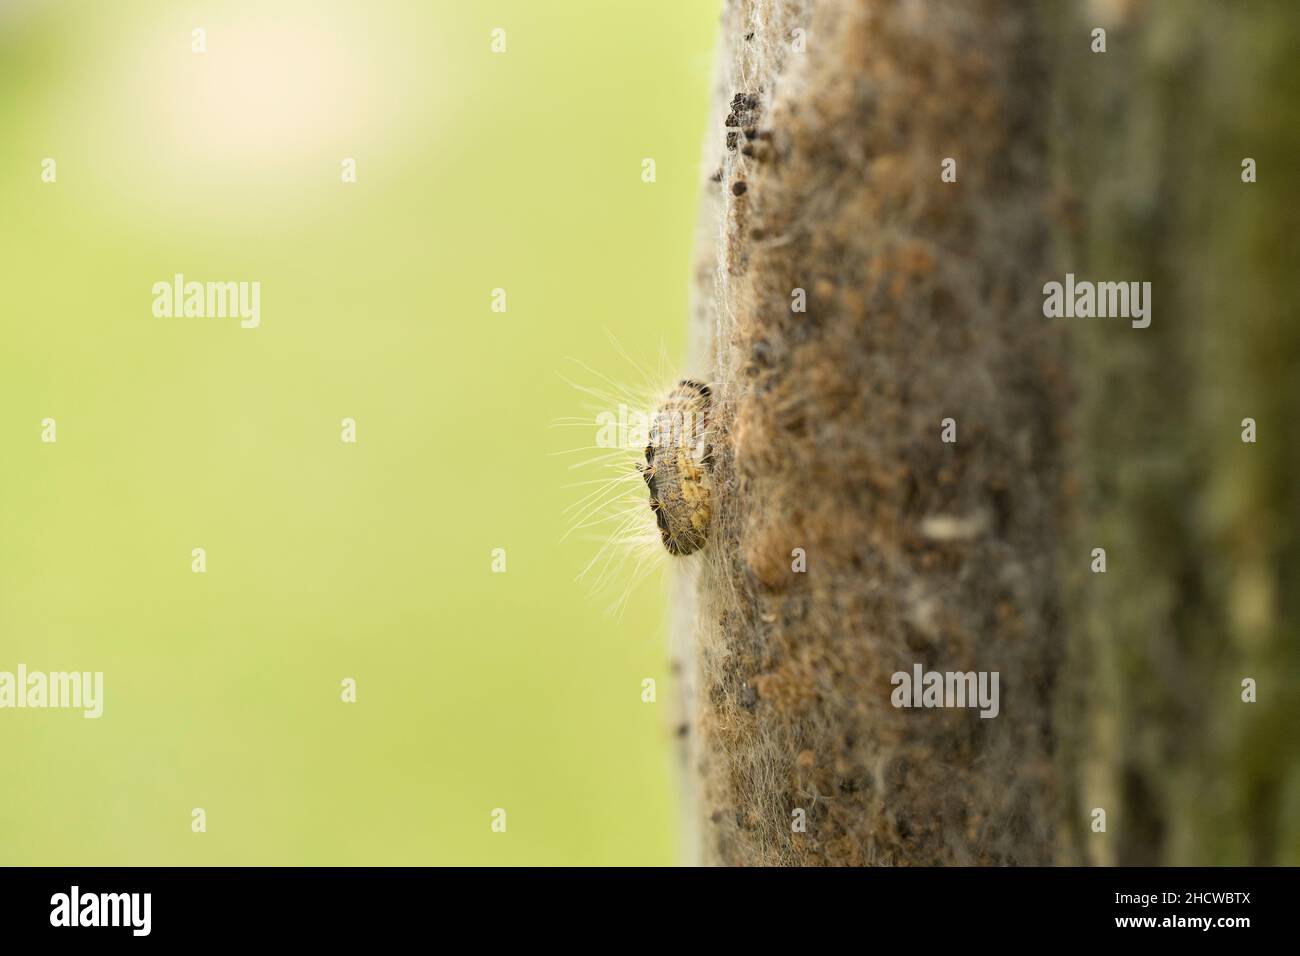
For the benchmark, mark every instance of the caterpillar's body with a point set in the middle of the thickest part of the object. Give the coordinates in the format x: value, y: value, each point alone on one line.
x: 678, y: 468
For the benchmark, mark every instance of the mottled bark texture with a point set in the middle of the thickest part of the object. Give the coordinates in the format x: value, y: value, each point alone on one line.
x: 1119, y: 691
x: 1202, y: 530
x: 922, y: 304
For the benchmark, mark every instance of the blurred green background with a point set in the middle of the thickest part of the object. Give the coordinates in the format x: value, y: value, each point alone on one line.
x: 326, y: 560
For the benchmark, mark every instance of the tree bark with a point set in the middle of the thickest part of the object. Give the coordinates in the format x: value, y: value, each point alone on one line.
x: 921, y: 305
x: 1202, y: 587
x: 851, y: 542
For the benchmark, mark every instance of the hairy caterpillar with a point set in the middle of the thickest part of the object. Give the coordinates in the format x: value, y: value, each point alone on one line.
x: 678, y: 464
x: 653, y: 447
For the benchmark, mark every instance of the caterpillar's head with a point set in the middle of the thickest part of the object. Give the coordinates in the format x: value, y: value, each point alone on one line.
x: 679, y: 466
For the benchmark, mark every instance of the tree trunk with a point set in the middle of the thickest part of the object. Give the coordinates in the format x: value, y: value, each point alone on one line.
x: 922, y: 302
x: 1202, y: 588
x: 854, y: 309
